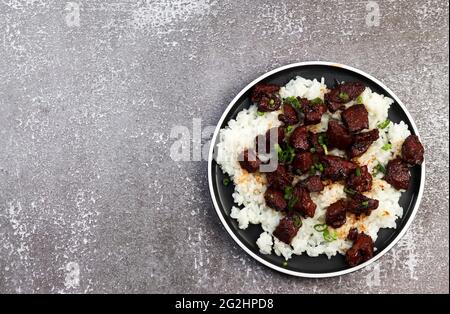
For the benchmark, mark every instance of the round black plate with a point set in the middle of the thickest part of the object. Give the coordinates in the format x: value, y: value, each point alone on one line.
x: 304, y: 265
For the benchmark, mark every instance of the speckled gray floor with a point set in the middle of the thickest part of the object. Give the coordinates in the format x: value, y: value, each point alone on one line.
x: 90, y: 200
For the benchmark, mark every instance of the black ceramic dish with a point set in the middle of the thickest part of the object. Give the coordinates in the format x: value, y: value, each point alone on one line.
x: 305, y: 266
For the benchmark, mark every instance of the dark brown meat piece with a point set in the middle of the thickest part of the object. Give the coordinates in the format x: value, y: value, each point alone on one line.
x: 352, y: 234
x: 359, y: 204
x: 287, y: 229
x: 289, y: 115
x: 299, y: 139
x: 280, y: 178
x: 304, y: 204
x: 273, y: 136
x: 249, y: 161
x: 361, y: 251
x: 338, y: 135
x: 332, y: 105
x: 397, y: 174
x: 336, y: 168
x: 360, y: 180
x: 355, y: 118
x: 263, y: 89
x: 412, y: 150
x: 343, y: 93
x: 352, y: 89
x: 275, y: 199
x: 312, y: 184
x: 362, y: 142
x: 312, y: 112
x: 336, y: 214
x: 303, y: 161
x: 314, y: 142
x: 266, y: 97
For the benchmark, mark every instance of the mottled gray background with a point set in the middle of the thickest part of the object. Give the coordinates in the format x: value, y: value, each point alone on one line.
x: 90, y: 200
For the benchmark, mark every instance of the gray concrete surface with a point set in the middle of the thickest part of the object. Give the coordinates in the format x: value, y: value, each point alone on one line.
x: 90, y: 200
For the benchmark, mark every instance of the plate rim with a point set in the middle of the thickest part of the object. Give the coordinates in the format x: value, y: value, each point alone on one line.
x: 231, y: 232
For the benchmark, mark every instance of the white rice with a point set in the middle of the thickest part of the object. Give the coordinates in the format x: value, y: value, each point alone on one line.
x: 250, y: 187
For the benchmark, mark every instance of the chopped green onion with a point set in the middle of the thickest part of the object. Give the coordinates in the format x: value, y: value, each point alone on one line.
x: 297, y: 221
x: 384, y: 124
x: 316, y: 101
x: 321, y: 139
x: 387, y: 146
x: 349, y: 191
x: 358, y: 172
x: 312, y: 170
x: 292, y: 156
x: 292, y: 202
x: 312, y: 149
x: 320, y: 227
x: 226, y: 182
x: 293, y: 101
x: 289, y: 129
x: 285, y: 263
x: 344, y: 96
x: 328, y: 236
x: 287, y: 155
x: 271, y: 102
x: 288, y: 192
x: 378, y: 168
x: 359, y: 100
x: 365, y: 203
x: 323, y: 142
x: 260, y: 113
x: 319, y: 166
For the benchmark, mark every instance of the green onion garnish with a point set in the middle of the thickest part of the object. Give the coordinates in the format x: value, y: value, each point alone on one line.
x: 365, y: 203
x: 384, y: 124
x: 271, y: 102
x: 226, y: 182
x: 289, y: 129
x: 359, y: 100
x: 344, y: 96
x: 312, y: 170
x: 328, y: 236
x: 319, y: 166
x: 316, y: 101
x: 320, y: 227
x: 292, y: 202
x: 260, y: 113
x: 293, y: 101
x: 379, y: 168
x: 297, y: 221
x: 287, y: 155
x: 387, y: 146
x: 323, y: 142
x: 288, y: 193
x: 349, y: 191
x: 321, y: 139
x: 285, y: 263
x: 358, y: 172
x: 312, y: 149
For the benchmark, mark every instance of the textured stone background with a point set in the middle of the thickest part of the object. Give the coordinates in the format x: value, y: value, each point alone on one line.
x: 90, y: 200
